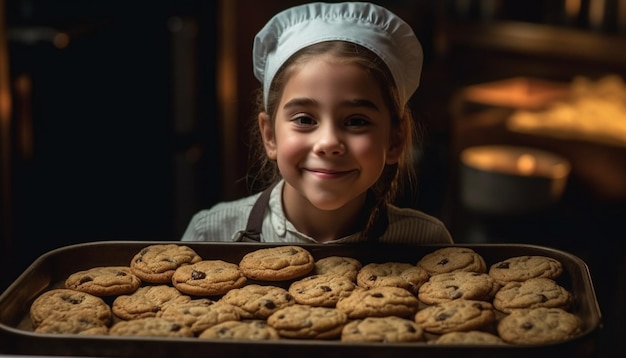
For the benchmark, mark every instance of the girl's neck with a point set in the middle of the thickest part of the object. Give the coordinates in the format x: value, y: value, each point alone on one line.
x: 324, y: 225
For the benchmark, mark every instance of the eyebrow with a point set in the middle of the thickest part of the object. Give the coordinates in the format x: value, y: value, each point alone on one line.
x: 355, y: 103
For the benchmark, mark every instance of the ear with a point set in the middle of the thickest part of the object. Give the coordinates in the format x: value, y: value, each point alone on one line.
x: 267, y: 134
x: 395, y: 149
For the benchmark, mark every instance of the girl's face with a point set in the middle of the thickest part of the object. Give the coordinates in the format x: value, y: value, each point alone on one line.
x: 332, y: 134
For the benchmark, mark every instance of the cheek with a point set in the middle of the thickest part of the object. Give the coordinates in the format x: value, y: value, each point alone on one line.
x: 290, y: 148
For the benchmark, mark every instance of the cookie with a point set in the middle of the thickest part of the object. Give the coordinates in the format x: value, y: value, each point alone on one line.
x: 522, y: 268
x: 456, y: 315
x: 62, y: 303
x: 277, y: 263
x: 378, y: 302
x: 392, y: 274
x: 82, y: 323
x: 453, y: 258
x: 388, y: 329
x: 470, y: 337
x: 532, y: 293
x: 104, y: 281
x: 459, y: 284
x: 321, y: 290
x: 150, y: 327
x: 307, y: 322
x: 256, y: 330
x: 538, y: 326
x: 157, y: 263
x: 145, y: 302
x: 199, y: 314
x: 338, y: 265
x: 208, y: 278
x: 258, y: 301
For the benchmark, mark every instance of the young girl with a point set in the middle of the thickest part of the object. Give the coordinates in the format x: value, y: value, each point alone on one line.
x: 334, y: 132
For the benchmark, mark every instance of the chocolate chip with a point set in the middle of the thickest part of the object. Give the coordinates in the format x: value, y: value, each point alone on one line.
x: 269, y: 304
x: 175, y: 327
x: 372, y: 278
x: 197, y: 275
x: 378, y: 295
x: 326, y: 288
x: 527, y: 325
x: 443, y: 262
x: 292, y: 252
x: 85, y: 280
x: 442, y: 316
x: 410, y: 328
x: 120, y: 273
x: 543, y: 298
x: 503, y: 265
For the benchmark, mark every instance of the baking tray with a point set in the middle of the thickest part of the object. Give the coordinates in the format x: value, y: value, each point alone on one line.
x: 50, y: 270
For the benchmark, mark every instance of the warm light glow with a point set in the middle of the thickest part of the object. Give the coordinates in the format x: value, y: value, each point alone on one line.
x: 61, y: 40
x: 596, y: 13
x: 572, y: 8
x: 526, y: 164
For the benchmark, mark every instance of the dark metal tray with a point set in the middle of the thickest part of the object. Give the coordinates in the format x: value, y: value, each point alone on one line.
x: 51, y: 269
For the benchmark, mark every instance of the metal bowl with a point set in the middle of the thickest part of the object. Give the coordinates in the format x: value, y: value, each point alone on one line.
x: 502, y: 179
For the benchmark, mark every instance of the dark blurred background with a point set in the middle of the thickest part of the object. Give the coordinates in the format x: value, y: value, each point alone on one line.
x: 120, y: 119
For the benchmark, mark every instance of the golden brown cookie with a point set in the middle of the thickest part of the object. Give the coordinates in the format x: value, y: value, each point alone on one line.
x: 307, y: 322
x: 453, y: 258
x: 456, y: 315
x: 146, y: 301
x: 338, y: 265
x: 62, y: 303
x: 208, y: 278
x: 104, y: 281
x: 392, y: 274
x: 278, y: 263
x: 379, y: 302
x: 157, y: 263
x: 388, y: 329
x: 258, y: 301
x: 199, y: 314
x: 321, y: 290
x: 469, y: 337
x: 522, y: 268
x: 532, y: 293
x: 82, y: 323
x: 150, y: 327
x: 459, y: 284
x: 255, y: 330
x: 539, y: 326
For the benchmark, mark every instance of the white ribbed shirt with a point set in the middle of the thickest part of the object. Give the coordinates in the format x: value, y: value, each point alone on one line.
x: 224, y: 221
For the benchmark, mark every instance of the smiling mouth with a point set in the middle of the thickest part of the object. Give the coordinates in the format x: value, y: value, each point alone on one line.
x: 329, y: 173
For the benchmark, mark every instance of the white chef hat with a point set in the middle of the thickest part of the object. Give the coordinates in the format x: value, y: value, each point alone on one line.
x: 365, y: 24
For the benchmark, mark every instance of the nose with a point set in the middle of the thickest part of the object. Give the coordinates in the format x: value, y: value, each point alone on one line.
x: 329, y: 141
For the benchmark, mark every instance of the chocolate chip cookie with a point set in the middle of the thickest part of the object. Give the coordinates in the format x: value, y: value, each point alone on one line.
x: 392, y: 274
x: 456, y: 315
x: 307, y: 322
x: 255, y: 330
x: 104, y: 281
x: 532, y: 293
x: 388, y: 329
x: 199, y: 314
x: 522, y: 268
x: 338, y: 265
x: 146, y: 301
x: 379, y: 302
x: 470, y: 337
x: 321, y: 290
x: 538, y: 326
x: 157, y: 263
x: 59, y: 304
x: 208, y: 278
x: 453, y: 258
x: 150, y: 327
x: 258, y: 301
x: 459, y: 284
x: 277, y: 263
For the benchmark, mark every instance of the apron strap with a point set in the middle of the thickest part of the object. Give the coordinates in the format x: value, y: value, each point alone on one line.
x: 255, y: 219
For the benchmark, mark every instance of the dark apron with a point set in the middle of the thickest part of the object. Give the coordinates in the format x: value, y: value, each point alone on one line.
x: 254, y: 227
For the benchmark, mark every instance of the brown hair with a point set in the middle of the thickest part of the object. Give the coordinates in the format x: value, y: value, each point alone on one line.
x: 403, y: 130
